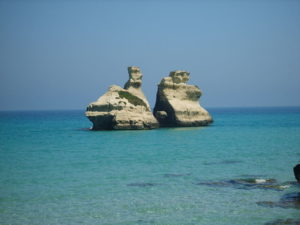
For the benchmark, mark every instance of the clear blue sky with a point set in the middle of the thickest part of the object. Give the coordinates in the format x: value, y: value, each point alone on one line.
x: 65, y: 54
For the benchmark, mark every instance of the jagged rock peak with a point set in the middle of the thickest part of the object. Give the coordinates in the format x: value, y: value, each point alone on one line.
x: 134, y: 84
x: 179, y: 76
x: 135, y: 78
x: 177, y: 103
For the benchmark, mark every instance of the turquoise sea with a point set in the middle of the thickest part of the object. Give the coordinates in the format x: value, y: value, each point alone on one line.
x: 54, y: 170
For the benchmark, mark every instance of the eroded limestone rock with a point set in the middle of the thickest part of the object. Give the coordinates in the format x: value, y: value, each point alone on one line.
x: 122, y: 108
x: 177, y: 103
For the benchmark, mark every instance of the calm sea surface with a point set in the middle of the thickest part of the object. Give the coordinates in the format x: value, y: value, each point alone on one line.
x: 53, y: 170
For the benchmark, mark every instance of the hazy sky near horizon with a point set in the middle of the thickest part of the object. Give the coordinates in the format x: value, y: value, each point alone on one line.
x: 65, y: 54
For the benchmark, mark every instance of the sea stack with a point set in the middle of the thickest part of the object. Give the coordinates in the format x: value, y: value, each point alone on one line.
x: 177, y: 103
x: 123, y: 108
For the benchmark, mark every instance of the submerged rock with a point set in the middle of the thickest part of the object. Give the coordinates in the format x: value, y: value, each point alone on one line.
x: 284, y: 222
x: 247, y: 184
x: 142, y: 184
x: 177, y: 103
x: 177, y: 174
x: 254, y: 181
x: 291, y: 200
x: 223, y: 162
x: 123, y: 108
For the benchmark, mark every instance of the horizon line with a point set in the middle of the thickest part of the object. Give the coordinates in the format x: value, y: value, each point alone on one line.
x: 210, y: 107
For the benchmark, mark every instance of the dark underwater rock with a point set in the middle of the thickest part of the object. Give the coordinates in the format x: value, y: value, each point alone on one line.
x: 297, y: 172
x: 142, y: 184
x: 267, y: 204
x: 291, y: 200
x: 291, y: 183
x: 223, y: 162
x: 284, y: 222
x: 215, y: 183
x: 247, y: 184
x: 177, y: 174
x: 145, y: 221
x: 255, y: 181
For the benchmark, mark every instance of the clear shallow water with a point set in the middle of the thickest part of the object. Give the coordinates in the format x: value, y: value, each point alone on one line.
x: 55, y: 171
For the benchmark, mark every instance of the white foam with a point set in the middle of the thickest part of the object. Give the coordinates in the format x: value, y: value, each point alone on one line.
x: 284, y: 186
x: 260, y: 181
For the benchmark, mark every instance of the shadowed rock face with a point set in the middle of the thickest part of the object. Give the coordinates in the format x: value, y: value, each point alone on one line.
x: 123, y: 108
x: 177, y: 103
x: 297, y: 172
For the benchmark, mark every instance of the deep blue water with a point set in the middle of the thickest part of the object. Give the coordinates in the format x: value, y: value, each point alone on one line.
x: 53, y: 170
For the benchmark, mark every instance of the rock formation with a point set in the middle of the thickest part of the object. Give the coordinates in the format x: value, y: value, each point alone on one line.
x: 177, y: 103
x: 123, y: 108
x: 297, y: 172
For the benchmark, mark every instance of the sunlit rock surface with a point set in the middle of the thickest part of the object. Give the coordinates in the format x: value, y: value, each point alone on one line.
x: 177, y: 103
x: 123, y: 108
